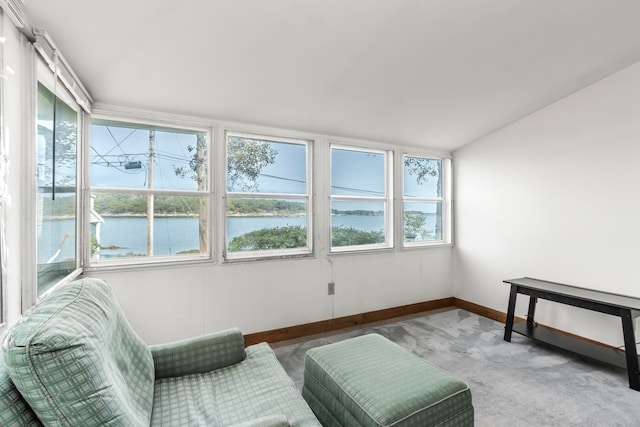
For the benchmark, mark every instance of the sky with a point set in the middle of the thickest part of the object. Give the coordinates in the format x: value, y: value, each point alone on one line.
x: 113, y: 148
x: 357, y: 173
x: 288, y: 172
x: 353, y: 172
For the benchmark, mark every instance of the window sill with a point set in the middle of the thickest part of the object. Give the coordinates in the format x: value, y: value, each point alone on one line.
x: 156, y: 262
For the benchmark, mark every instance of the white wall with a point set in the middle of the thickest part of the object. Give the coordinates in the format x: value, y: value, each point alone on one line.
x: 167, y: 303
x: 180, y: 302
x: 552, y: 196
x: 555, y: 196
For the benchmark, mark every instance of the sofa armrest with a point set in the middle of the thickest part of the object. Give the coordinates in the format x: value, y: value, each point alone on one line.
x: 198, y: 355
x: 267, y: 421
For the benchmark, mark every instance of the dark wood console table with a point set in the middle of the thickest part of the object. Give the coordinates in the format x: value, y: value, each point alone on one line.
x: 626, y: 308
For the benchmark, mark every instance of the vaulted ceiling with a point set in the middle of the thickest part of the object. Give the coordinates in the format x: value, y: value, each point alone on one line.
x: 434, y: 73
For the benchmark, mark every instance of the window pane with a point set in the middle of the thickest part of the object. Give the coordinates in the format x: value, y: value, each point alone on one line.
x: 255, y: 224
x: 357, y: 223
x: 121, y: 154
x: 263, y: 166
x: 56, y: 241
x: 357, y: 173
x: 56, y: 157
x: 120, y: 225
x: 422, y: 177
x: 422, y: 221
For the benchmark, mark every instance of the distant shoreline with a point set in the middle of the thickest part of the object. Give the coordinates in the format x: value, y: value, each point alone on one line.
x: 231, y: 215
x: 237, y: 215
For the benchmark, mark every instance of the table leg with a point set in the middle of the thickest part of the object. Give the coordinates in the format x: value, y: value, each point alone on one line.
x: 532, y: 309
x: 511, y: 311
x: 630, y: 350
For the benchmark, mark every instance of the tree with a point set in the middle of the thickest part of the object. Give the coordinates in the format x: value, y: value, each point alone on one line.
x: 270, y: 238
x: 197, y: 170
x: 422, y: 167
x: 348, y: 236
x: 57, y: 154
x: 296, y: 237
x: 414, y: 225
x: 246, y: 158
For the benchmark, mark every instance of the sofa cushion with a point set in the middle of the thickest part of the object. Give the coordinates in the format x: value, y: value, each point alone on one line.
x: 198, y: 355
x: 242, y: 393
x: 14, y: 410
x: 77, y: 362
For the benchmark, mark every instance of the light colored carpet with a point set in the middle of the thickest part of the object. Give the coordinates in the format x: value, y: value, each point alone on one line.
x: 521, y: 383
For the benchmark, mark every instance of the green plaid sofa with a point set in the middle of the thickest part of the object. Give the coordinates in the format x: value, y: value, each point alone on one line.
x: 73, y: 360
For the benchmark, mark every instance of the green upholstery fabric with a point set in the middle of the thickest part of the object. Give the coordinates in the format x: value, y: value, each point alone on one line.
x: 14, y: 411
x: 238, y: 394
x: 73, y: 360
x: 198, y: 355
x: 77, y: 362
x: 371, y: 381
x: 268, y: 421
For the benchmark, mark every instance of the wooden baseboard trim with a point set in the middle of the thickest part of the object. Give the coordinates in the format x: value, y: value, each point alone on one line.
x: 480, y: 310
x: 330, y: 325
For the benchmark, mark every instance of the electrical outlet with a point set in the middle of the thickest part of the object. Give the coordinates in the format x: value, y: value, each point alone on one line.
x: 331, y: 288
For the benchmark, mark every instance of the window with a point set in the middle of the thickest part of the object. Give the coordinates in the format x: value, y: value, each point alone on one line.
x: 361, y: 214
x: 56, y: 198
x: 149, y: 193
x: 424, y: 203
x: 51, y: 202
x: 268, y: 206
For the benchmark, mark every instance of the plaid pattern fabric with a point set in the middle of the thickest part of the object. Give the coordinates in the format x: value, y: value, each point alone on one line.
x: 77, y: 362
x: 198, y: 355
x: 371, y: 381
x: 14, y: 411
x: 268, y: 421
x: 243, y: 393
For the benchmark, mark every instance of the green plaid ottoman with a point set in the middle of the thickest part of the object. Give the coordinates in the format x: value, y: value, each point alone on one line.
x: 370, y: 381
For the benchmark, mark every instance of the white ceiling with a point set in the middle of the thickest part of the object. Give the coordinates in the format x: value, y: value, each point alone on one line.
x: 436, y: 73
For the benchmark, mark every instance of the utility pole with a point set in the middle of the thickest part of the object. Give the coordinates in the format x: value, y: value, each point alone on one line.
x: 152, y: 143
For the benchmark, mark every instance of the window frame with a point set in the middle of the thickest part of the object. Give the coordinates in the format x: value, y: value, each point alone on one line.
x: 43, y: 63
x: 445, y: 199
x: 308, y: 196
x: 161, y: 121
x: 42, y: 71
x: 387, y: 199
x: 4, y: 172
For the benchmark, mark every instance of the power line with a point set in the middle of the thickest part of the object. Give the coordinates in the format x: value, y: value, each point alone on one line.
x: 116, y: 141
x: 168, y: 156
x: 283, y: 178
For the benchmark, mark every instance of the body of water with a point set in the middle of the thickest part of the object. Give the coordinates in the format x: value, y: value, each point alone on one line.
x: 127, y: 236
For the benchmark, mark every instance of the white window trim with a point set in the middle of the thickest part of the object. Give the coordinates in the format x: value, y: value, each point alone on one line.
x: 387, y: 199
x: 50, y: 54
x: 231, y: 257
x: 4, y: 178
x: 144, y: 118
